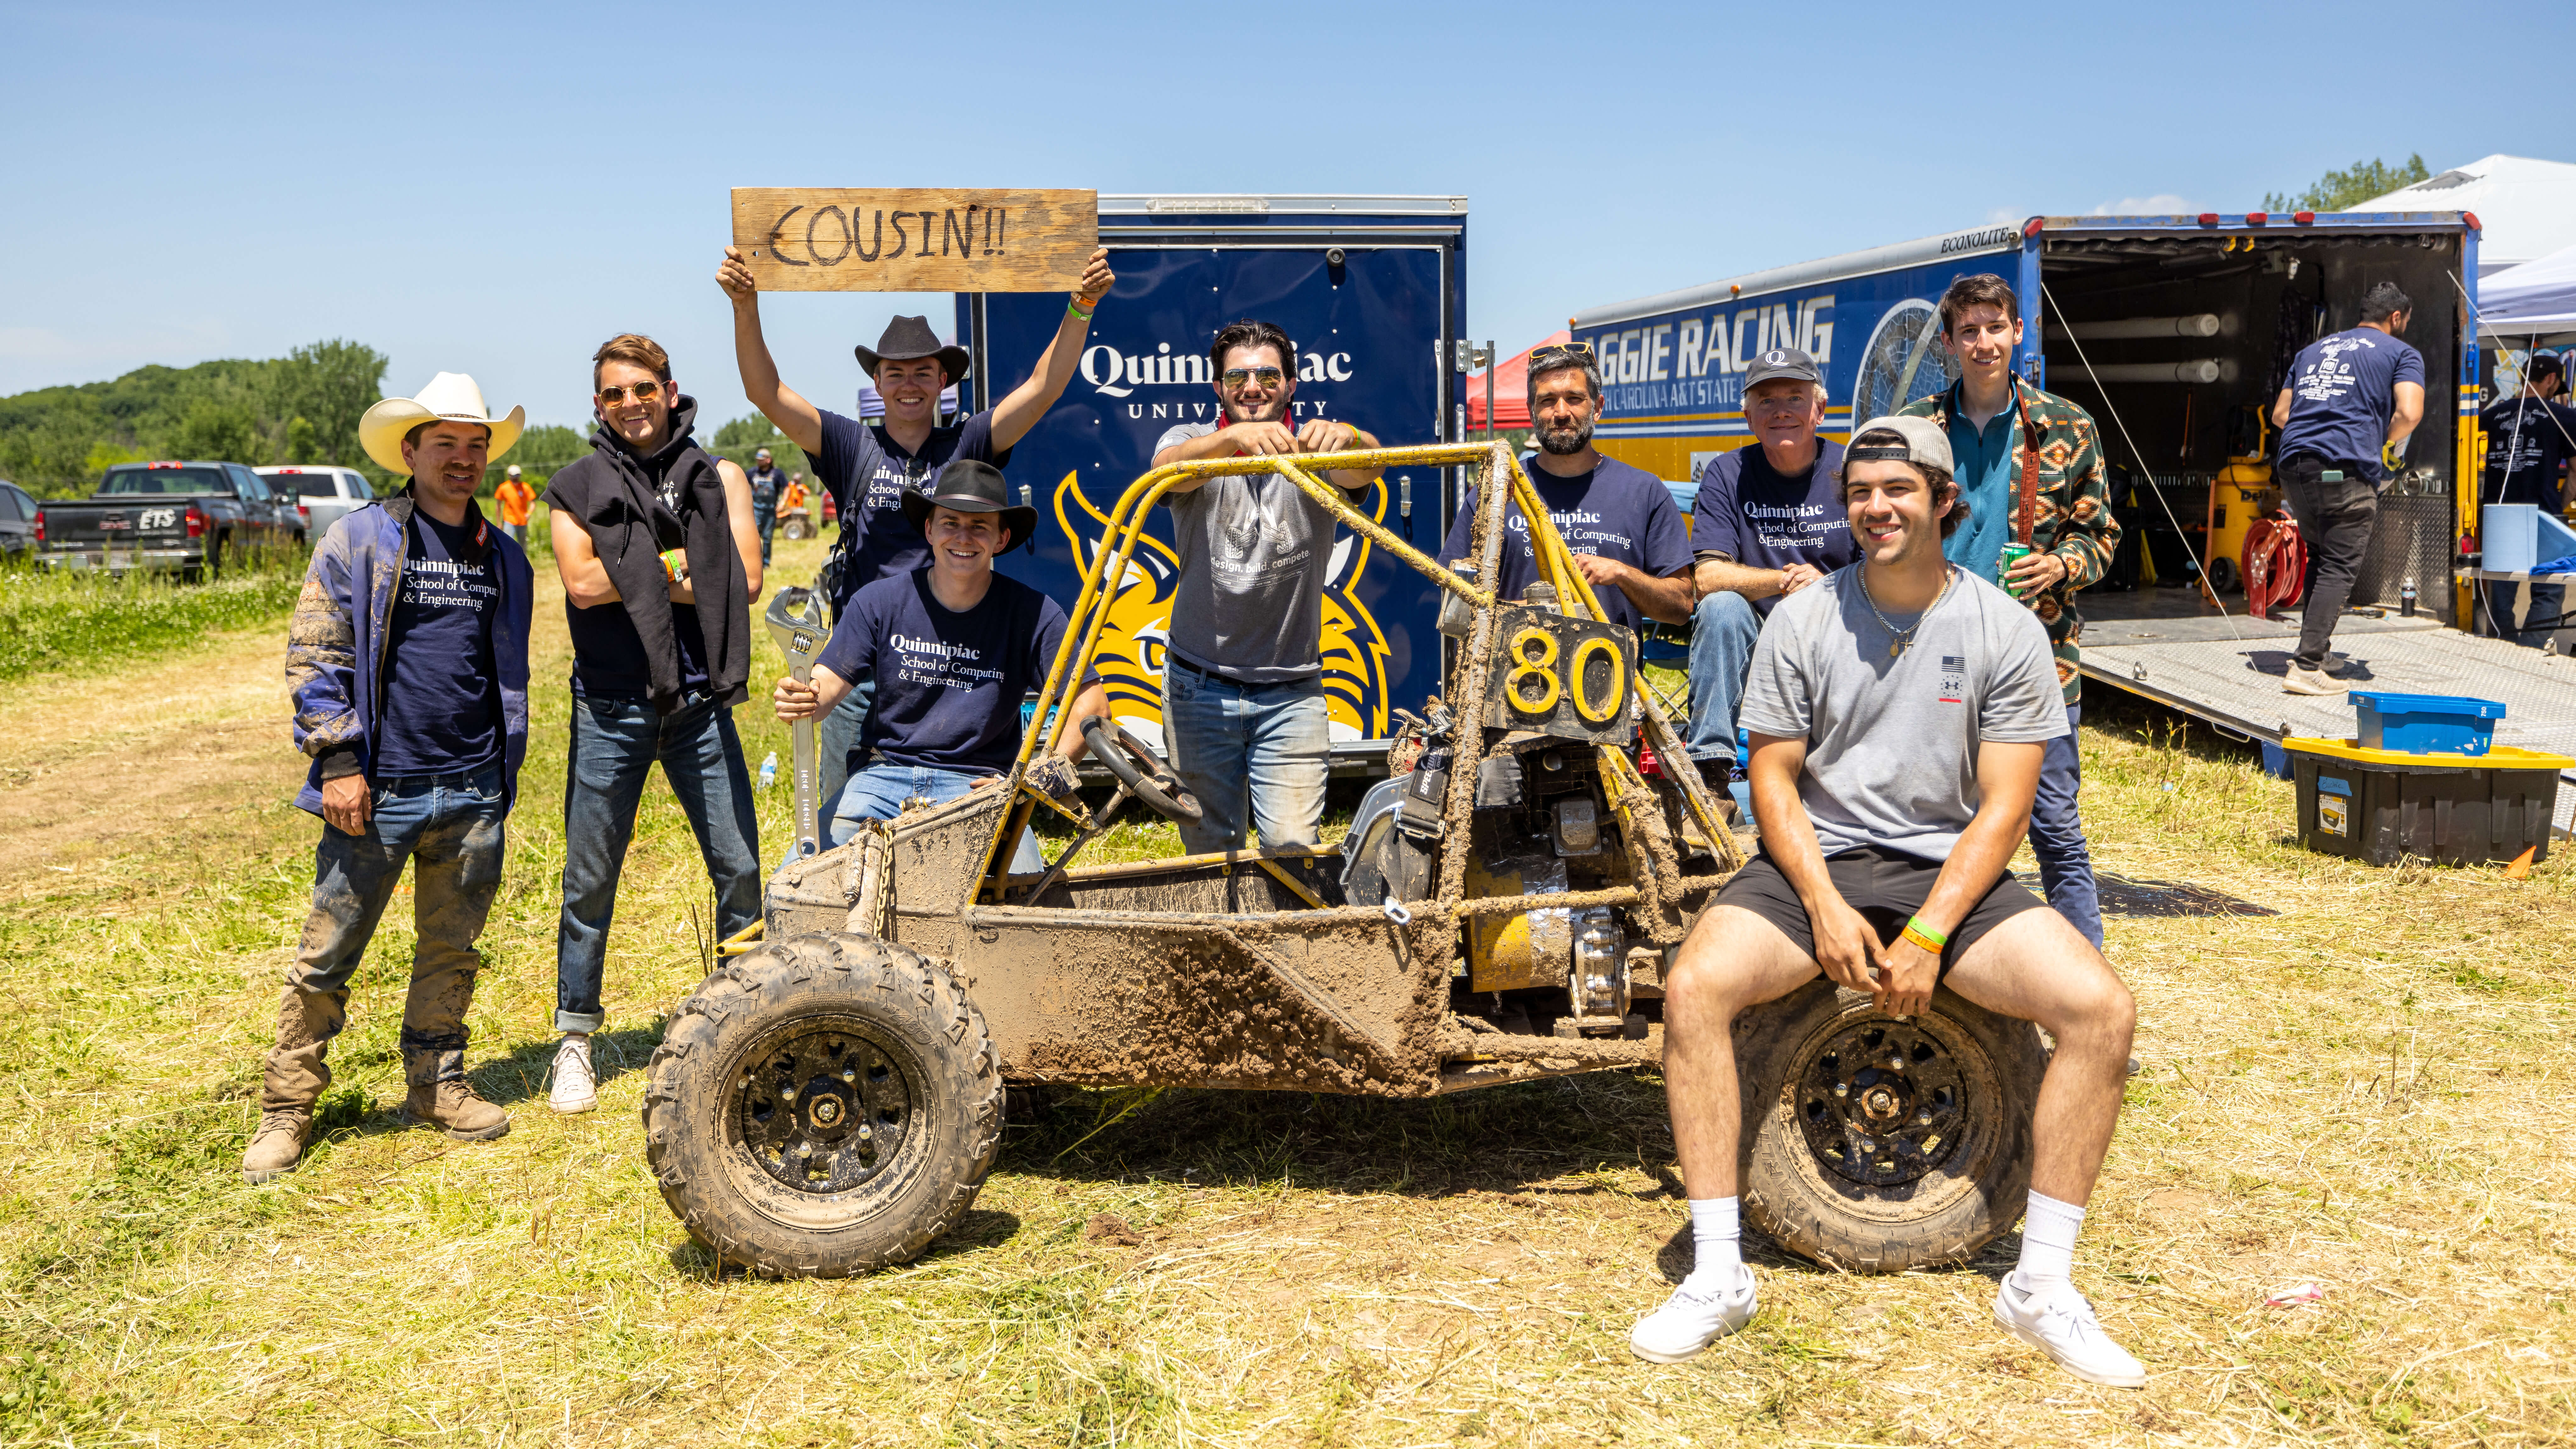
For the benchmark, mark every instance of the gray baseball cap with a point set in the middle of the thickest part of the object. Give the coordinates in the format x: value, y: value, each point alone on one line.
x: 1926, y: 445
x: 1782, y: 362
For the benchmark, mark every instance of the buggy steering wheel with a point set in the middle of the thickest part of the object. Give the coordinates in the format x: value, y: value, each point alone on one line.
x: 1136, y: 766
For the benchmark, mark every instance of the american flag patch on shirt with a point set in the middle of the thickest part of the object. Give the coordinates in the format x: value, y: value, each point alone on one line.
x: 1954, y: 678
x: 1954, y: 663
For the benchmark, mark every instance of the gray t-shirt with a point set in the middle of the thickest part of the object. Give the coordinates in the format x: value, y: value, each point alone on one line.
x: 1255, y: 552
x: 1892, y: 739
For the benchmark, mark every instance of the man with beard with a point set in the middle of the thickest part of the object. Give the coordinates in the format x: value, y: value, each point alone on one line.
x: 2352, y: 400
x: 1619, y: 521
x: 1244, y: 711
x: 868, y: 468
x: 660, y: 561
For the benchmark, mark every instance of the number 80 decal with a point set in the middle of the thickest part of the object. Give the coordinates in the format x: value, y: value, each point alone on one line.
x: 1533, y: 685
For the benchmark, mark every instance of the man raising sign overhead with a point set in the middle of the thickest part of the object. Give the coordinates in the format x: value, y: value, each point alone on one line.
x: 867, y: 469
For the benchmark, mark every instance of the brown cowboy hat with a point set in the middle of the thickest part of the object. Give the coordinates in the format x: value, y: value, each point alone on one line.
x: 907, y: 338
x: 970, y: 486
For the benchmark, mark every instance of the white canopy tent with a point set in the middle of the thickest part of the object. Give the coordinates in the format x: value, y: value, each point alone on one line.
x: 2526, y: 207
x: 2534, y: 298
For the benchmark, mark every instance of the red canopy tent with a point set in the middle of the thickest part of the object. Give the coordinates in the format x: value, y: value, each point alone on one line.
x: 1511, y: 389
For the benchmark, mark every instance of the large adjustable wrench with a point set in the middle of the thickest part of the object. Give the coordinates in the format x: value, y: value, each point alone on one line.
x: 800, y: 622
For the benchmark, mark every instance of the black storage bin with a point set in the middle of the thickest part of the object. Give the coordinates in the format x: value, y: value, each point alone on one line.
x: 2378, y: 805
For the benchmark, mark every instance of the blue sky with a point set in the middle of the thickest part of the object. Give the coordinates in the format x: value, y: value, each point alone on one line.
x: 494, y: 189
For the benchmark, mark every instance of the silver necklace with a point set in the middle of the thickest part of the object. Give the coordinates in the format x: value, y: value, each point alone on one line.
x: 1900, y: 639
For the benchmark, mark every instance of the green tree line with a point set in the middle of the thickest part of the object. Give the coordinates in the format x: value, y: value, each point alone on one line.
x: 300, y: 408
x: 304, y: 407
x: 2338, y: 190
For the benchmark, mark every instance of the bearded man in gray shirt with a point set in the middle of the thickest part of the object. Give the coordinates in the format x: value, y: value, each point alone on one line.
x: 1899, y: 711
x: 1244, y: 711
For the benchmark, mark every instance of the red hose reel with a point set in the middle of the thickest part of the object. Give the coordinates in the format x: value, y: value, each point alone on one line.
x: 2275, y: 563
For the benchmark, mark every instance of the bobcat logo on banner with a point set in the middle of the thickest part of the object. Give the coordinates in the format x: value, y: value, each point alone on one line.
x: 1139, y: 609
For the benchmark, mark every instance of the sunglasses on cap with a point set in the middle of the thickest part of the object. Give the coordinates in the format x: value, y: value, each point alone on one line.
x: 1561, y: 352
x: 644, y: 391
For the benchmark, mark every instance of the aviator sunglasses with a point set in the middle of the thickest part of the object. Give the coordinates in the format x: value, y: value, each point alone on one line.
x: 644, y: 392
x: 1238, y: 376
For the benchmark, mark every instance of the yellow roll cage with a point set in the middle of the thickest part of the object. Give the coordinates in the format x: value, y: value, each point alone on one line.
x: 1126, y: 523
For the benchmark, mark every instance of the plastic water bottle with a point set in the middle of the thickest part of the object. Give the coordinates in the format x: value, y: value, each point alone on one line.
x: 769, y: 770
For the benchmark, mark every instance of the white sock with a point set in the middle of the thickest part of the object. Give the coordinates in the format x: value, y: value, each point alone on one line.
x: 2047, y: 1243
x: 1717, y: 1235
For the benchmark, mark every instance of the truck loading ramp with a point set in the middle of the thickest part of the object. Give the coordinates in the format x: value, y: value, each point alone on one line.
x: 2227, y: 670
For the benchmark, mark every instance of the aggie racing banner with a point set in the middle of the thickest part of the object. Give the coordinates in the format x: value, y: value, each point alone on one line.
x: 1367, y: 323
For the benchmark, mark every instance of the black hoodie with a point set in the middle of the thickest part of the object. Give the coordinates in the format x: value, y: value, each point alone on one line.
x: 619, y: 498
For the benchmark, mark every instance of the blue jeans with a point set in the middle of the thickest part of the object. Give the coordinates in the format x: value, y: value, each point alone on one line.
x: 451, y: 827
x: 2057, y: 835
x: 880, y: 791
x: 1724, y: 629
x: 764, y: 516
x: 614, y: 745
x: 1265, y: 746
x: 835, y: 736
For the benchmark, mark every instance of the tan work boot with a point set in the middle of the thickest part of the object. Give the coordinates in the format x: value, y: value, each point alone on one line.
x: 277, y: 1148
x: 448, y: 1102
x: 454, y: 1107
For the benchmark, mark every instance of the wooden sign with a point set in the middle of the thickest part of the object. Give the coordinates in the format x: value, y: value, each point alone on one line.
x: 803, y: 239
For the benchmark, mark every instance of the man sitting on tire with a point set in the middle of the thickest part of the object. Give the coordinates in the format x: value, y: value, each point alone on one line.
x: 1898, y: 713
x: 953, y: 648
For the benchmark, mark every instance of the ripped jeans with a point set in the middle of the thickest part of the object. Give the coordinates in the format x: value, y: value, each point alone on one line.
x: 450, y: 827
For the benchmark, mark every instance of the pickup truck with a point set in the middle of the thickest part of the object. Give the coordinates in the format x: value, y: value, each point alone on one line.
x: 320, y: 494
x: 192, y: 517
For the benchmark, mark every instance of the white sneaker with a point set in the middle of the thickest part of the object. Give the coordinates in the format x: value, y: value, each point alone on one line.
x: 2060, y: 1323
x: 576, y: 1087
x: 2303, y: 680
x: 1688, y: 1322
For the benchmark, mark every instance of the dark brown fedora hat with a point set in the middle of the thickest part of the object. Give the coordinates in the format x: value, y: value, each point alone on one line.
x: 907, y: 338
x: 969, y: 486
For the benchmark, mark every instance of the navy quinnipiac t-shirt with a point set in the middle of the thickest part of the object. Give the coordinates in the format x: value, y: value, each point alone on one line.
x: 1616, y: 511
x: 442, y: 702
x: 1750, y: 512
x: 949, y: 684
x: 2342, y: 390
x: 868, y: 473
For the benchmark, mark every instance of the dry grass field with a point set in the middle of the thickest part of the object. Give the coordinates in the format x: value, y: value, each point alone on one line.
x: 2358, y: 1079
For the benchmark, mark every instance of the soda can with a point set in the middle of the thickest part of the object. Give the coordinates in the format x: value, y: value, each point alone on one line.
x: 2013, y: 553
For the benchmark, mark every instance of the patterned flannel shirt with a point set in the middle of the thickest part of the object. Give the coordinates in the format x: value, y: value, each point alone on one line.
x: 2073, y: 517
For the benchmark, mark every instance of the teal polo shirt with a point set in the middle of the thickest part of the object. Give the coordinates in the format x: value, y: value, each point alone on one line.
x: 1983, y: 459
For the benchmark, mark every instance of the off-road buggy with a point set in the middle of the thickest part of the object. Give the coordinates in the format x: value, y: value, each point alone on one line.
x: 1503, y: 908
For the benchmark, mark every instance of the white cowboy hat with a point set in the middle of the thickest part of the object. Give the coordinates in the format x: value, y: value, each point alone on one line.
x: 450, y: 397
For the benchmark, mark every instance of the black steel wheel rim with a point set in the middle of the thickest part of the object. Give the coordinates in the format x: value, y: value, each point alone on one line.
x: 1883, y: 1103
x: 824, y: 1109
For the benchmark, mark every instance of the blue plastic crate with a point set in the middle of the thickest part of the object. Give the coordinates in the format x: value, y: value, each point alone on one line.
x: 2426, y: 724
x: 2276, y: 762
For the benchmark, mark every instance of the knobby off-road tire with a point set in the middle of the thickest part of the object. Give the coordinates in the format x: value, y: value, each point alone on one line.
x: 1871, y: 1167
x: 823, y: 1106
